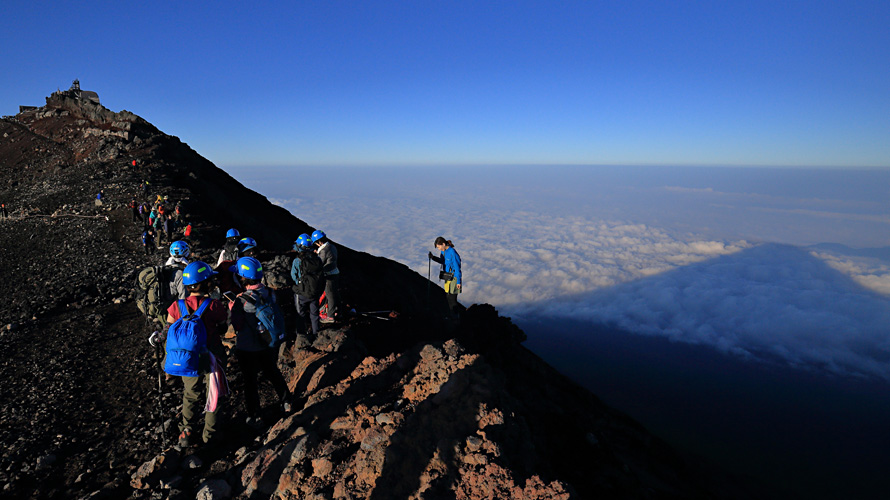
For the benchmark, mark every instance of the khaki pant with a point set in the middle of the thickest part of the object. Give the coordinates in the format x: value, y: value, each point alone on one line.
x: 194, y: 396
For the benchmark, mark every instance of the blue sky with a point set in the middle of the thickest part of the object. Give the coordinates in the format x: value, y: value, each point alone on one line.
x: 419, y: 83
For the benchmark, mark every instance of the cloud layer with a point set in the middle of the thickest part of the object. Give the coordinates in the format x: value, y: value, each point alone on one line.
x: 682, y: 260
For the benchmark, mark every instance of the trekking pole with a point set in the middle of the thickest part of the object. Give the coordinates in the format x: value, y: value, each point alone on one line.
x: 157, y: 345
x: 429, y: 277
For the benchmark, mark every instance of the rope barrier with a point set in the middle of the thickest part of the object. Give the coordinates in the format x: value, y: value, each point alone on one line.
x: 55, y: 216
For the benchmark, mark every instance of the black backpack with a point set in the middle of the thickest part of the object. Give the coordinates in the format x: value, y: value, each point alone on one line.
x: 311, y: 284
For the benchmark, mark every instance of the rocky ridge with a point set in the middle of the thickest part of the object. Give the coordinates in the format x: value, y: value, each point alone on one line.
x: 400, y: 406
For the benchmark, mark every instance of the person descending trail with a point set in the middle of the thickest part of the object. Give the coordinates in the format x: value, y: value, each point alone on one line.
x: 199, y: 364
x: 148, y: 241
x: 3, y: 212
x: 327, y: 252
x: 230, y: 249
x: 179, y: 252
x: 450, y: 261
x: 259, y: 329
x: 307, y: 272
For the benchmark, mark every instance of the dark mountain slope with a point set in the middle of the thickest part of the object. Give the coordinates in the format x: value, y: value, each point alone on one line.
x: 405, y: 406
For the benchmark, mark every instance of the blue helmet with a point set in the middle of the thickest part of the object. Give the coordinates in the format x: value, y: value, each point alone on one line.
x: 317, y: 235
x: 250, y: 268
x: 196, y: 272
x: 232, y: 233
x: 180, y: 249
x: 246, y: 244
x: 303, y: 240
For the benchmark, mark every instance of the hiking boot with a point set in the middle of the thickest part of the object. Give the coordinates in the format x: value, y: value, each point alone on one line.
x: 185, y: 438
x: 287, y: 406
x: 326, y: 320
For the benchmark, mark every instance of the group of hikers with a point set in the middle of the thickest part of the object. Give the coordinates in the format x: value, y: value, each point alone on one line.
x: 159, y: 219
x: 197, y: 303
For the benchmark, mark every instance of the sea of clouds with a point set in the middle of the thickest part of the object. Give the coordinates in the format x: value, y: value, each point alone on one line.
x: 723, y: 261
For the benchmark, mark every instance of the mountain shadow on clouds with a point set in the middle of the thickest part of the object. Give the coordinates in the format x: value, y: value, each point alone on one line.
x: 770, y: 303
x: 798, y: 433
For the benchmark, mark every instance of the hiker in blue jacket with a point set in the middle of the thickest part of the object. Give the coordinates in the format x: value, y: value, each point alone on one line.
x: 450, y: 261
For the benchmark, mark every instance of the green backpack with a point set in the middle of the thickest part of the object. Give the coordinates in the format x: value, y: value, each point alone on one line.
x: 153, y: 291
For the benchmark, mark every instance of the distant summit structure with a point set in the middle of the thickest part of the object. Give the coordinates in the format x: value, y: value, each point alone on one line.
x: 75, y: 92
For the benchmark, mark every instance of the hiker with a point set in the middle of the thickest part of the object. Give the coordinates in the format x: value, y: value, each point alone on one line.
x: 134, y: 207
x: 144, y: 186
x: 230, y: 249
x: 152, y: 215
x: 256, y: 342
x: 146, y: 213
x: 328, y: 254
x: 450, y: 261
x: 3, y: 212
x: 308, y: 275
x: 247, y: 247
x: 169, y: 227
x: 179, y: 252
x: 159, y: 228
x: 188, y: 230
x: 100, y: 198
x: 148, y: 241
x: 197, y: 279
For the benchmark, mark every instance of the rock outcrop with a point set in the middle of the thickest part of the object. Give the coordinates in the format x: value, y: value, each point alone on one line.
x: 397, y: 406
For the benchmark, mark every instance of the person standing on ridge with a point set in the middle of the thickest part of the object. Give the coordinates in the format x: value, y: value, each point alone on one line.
x: 3, y: 211
x: 254, y: 354
x: 450, y: 261
x: 327, y: 252
x: 229, y: 251
x: 197, y: 279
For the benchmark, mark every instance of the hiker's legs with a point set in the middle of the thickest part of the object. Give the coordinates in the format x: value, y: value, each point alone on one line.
x: 193, y: 396
x: 331, y: 284
x: 308, y: 307
x: 452, y: 305
x: 250, y: 367
x: 269, y: 366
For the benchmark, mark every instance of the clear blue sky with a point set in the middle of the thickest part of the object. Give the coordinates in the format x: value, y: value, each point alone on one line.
x: 445, y: 82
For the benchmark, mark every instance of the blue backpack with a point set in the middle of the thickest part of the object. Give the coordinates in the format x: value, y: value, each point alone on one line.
x: 270, y: 317
x: 186, y: 341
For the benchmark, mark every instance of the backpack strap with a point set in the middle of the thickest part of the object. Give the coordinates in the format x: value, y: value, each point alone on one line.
x: 202, y: 307
x: 183, y: 309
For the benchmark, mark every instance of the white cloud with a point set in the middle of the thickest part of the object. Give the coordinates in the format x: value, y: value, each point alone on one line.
x: 556, y: 255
